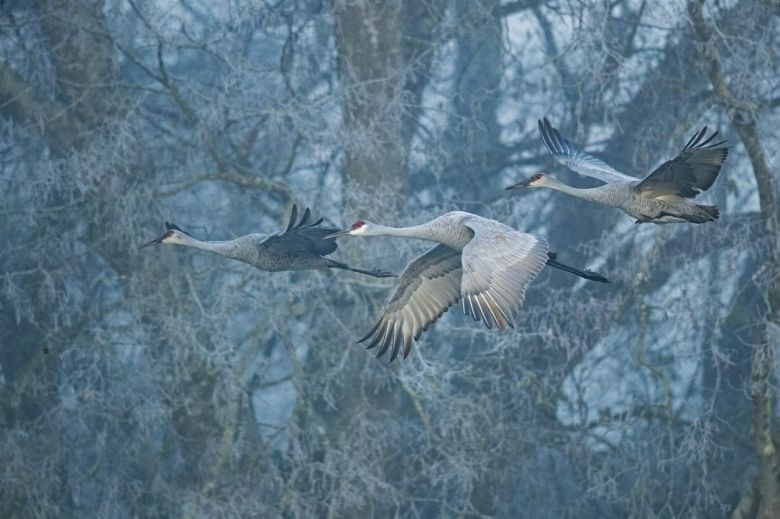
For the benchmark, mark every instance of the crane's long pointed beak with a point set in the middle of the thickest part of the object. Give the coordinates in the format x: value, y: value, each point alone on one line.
x: 337, y: 234
x: 524, y: 183
x: 156, y: 241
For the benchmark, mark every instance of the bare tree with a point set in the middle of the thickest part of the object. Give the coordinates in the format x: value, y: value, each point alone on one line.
x: 164, y: 383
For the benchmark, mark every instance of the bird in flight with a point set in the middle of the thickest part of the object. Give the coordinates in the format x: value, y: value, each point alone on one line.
x: 483, y: 262
x: 663, y: 196
x: 301, y: 246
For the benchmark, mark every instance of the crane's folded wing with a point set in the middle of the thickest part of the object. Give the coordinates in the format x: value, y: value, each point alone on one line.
x: 303, y: 237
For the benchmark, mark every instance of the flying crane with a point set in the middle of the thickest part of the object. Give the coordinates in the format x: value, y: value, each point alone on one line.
x: 483, y: 262
x: 301, y: 246
x: 661, y: 197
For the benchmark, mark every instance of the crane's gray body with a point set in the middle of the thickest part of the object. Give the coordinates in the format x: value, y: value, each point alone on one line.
x: 275, y: 253
x: 301, y: 246
x: 663, y: 196
x: 484, y: 263
x: 628, y: 197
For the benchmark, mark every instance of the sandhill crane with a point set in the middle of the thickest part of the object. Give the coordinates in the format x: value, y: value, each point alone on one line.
x: 300, y: 246
x: 484, y: 262
x: 660, y: 197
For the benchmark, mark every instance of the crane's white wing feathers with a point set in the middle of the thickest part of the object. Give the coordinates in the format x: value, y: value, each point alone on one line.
x: 498, y: 265
x: 568, y: 154
x: 428, y: 286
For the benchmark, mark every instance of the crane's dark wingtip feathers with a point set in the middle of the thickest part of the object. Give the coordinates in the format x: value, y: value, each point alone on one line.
x: 553, y: 140
x: 369, y: 334
x: 293, y: 218
x: 394, y: 353
x: 300, y: 235
x: 545, y: 130
x: 696, y: 143
x: 304, y: 218
x: 294, y: 223
x: 382, y: 349
x: 392, y: 340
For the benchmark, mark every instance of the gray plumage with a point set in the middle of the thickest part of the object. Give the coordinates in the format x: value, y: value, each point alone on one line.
x: 661, y: 197
x: 301, y: 246
x: 484, y: 263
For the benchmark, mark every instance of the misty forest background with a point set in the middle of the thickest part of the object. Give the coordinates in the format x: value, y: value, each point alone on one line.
x: 169, y: 382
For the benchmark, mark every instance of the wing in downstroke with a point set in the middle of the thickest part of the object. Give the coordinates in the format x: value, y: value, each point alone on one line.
x: 498, y: 265
x: 428, y: 286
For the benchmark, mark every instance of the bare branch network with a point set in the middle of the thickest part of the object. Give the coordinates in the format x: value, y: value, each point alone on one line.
x: 166, y: 382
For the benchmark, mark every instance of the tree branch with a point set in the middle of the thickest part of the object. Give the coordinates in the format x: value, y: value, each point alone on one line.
x: 511, y: 8
x: 743, y: 114
x: 26, y: 106
x: 252, y: 182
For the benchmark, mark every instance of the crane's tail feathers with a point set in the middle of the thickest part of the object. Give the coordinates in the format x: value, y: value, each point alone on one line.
x: 711, y: 211
x: 700, y: 214
x: 587, y: 273
x: 376, y: 273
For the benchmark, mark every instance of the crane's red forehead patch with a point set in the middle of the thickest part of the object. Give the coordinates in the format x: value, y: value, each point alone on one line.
x: 358, y: 224
x: 536, y: 177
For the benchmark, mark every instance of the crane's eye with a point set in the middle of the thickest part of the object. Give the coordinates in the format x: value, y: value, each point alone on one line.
x: 358, y: 225
x: 536, y: 177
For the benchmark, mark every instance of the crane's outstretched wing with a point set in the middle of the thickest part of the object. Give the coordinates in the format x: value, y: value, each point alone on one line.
x: 498, y: 264
x: 303, y: 237
x: 568, y: 154
x: 428, y: 286
x: 692, y: 171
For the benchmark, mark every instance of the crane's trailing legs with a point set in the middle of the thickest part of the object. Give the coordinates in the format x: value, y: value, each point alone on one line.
x: 587, y: 273
x: 376, y: 273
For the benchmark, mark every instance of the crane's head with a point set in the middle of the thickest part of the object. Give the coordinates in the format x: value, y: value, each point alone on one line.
x: 540, y: 179
x: 173, y: 235
x: 357, y: 228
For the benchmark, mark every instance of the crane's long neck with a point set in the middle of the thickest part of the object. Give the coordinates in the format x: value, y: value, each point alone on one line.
x: 586, y: 194
x: 228, y: 248
x: 421, y: 232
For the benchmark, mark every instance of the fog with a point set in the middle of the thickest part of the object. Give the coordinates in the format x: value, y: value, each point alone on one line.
x: 168, y: 382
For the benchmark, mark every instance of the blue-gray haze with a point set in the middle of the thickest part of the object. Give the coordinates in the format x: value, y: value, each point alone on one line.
x: 168, y: 382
